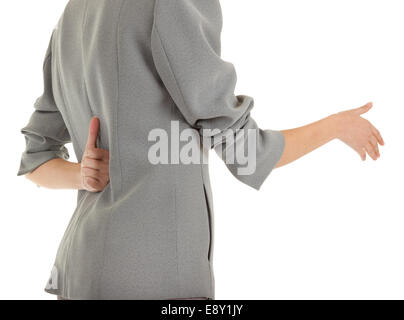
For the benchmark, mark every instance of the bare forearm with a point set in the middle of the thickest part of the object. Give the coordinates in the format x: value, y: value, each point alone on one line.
x: 303, y: 140
x: 57, y: 174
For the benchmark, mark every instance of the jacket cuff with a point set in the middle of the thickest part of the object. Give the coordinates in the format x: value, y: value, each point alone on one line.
x: 270, y: 147
x: 31, y: 161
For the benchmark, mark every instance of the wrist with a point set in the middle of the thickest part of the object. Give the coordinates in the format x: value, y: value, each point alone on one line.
x: 333, y: 124
x: 78, y: 181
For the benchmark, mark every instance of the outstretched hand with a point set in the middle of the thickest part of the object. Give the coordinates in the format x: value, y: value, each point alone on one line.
x: 95, y: 163
x: 359, y: 133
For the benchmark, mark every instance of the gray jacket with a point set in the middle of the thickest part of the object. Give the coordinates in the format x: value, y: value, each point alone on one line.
x: 138, y: 65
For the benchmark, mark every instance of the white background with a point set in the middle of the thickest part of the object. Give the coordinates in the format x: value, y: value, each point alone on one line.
x: 328, y: 226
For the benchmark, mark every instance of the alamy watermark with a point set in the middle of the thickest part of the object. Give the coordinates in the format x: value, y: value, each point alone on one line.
x: 190, y: 146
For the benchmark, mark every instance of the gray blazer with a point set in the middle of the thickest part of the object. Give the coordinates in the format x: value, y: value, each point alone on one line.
x: 138, y: 65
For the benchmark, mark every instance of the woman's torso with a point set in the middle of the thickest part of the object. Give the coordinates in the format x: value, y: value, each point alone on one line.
x: 148, y: 235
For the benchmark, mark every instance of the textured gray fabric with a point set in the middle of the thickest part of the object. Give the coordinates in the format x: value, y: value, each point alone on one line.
x: 138, y: 65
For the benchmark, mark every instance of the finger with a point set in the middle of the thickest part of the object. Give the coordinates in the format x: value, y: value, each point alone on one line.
x: 377, y: 135
x: 364, y: 108
x: 98, y: 184
x: 373, y: 142
x: 92, y: 184
x: 97, y: 154
x: 93, y: 133
x: 94, y: 164
x: 371, y: 152
x: 362, y: 154
x: 90, y: 173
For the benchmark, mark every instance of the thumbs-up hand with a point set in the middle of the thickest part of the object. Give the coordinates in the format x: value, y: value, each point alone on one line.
x: 95, y: 163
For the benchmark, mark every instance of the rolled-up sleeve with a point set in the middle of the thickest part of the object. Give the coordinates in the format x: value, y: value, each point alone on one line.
x: 186, y: 47
x: 46, y: 133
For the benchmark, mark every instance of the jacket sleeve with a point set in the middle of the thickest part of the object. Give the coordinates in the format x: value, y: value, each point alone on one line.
x: 46, y: 132
x: 186, y: 49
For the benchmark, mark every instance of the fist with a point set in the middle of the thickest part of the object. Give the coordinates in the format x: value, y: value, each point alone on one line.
x: 359, y: 133
x: 94, y: 169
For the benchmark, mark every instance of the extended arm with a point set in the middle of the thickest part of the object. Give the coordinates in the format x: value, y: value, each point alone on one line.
x: 186, y: 52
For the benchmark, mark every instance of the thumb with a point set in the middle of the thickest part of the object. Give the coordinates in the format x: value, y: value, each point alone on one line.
x: 93, y: 133
x: 365, y: 108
